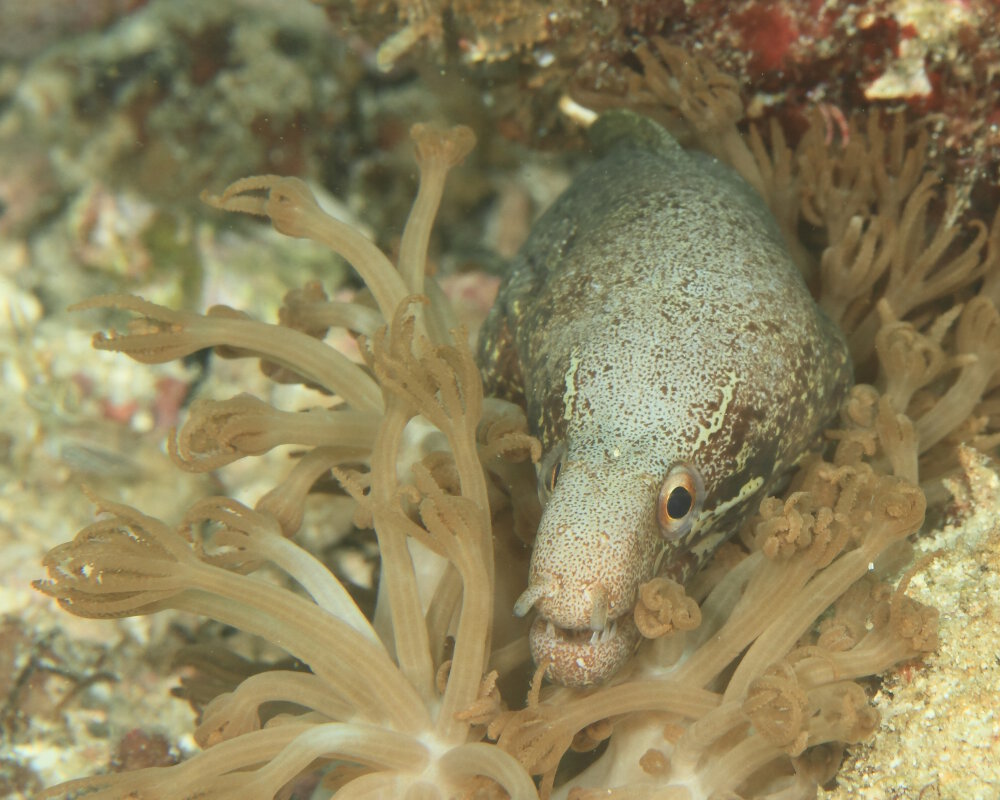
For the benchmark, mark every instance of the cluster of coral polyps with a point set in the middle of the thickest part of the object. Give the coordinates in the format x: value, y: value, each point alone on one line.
x: 754, y: 692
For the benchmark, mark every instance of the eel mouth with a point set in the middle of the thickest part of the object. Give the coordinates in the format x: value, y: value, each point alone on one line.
x: 583, y: 657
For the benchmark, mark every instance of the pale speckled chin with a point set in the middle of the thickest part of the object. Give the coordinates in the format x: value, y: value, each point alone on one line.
x: 583, y: 658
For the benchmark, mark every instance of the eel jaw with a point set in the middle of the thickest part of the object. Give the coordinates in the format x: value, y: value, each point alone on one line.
x: 579, y: 656
x: 583, y: 657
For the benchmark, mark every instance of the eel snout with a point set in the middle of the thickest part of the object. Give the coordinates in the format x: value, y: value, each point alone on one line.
x: 596, y: 545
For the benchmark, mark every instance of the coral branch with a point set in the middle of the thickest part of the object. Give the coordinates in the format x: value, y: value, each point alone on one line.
x: 293, y: 210
x: 162, y: 335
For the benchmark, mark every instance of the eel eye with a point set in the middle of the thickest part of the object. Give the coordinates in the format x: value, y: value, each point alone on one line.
x: 554, y: 475
x: 680, y: 500
x: 548, y: 472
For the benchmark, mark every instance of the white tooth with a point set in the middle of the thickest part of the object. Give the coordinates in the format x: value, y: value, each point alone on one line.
x: 550, y: 630
x: 599, y: 606
x: 595, y: 638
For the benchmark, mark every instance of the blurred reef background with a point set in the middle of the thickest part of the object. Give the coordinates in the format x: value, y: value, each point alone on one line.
x: 116, y: 114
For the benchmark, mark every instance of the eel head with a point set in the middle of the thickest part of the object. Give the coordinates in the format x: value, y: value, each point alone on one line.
x: 608, y: 521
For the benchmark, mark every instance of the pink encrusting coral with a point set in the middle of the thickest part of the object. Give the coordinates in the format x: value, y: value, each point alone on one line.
x: 747, y: 682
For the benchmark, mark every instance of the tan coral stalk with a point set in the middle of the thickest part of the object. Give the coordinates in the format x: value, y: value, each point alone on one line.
x: 161, y: 335
x: 922, y: 267
x: 898, y: 439
x: 443, y: 517
x: 187, y: 779
x: 366, y: 744
x: 909, y: 359
x: 896, y: 169
x: 309, y: 309
x: 235, y: 713
x: 398, y: 589
x: 450, y: 396
x: 480, y: 758
x: 851, y: 266
x: 705, y: 97
x: 286, y: 501
x: 220, y: 432
x: 977, y: 335
x: 737, y: 764
x: 398, y: 585
x: 259, y: 535
x: 776, y: 179
x: 524, y: 734
x: 835, y: 187
x: 134, y: 564
x: 701, y: 734
x: 293, y: 210
x: 991, y: 283
x: 896, y: 510
x: 437, y: 152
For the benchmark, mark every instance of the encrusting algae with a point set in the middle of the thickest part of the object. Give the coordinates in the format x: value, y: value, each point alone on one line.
x: 747, y: 681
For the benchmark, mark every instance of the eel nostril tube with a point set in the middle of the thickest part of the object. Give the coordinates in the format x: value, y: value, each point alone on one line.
x: 535, y: 592
x: 599, y: 606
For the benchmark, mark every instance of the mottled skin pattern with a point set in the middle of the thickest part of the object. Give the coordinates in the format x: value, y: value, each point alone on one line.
x: 653, y: 318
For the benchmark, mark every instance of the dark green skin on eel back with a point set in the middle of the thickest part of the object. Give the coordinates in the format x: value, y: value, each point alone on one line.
x: 653, y: 321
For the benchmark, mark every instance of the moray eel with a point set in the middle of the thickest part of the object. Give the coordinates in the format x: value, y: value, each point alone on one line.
x: 674, y: 366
